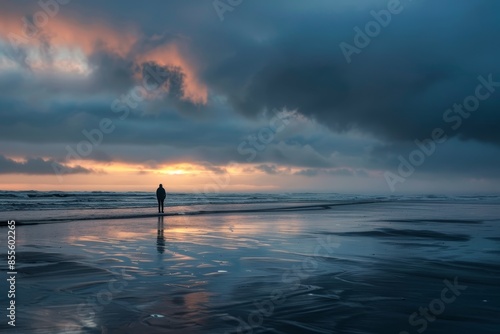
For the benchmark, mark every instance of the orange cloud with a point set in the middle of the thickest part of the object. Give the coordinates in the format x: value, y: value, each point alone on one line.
x: 61, y: 32
x: 170, y: 55
x: 75, y: 38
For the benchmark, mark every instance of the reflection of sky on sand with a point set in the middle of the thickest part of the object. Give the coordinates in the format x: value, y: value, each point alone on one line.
x: 190, y: 270
x: 173, y: 264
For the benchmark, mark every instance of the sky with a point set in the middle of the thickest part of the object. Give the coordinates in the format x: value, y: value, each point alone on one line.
x: 364, y: 96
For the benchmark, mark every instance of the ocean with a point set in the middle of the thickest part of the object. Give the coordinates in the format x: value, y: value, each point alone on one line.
x: 45, y: 206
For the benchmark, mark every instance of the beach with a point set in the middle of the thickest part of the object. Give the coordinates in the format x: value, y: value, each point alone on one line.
x: 409, y: 266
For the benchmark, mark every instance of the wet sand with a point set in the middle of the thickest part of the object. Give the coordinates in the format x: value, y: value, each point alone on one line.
x: 370, y: 268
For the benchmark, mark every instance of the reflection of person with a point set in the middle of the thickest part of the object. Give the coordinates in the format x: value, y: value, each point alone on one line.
x: 160, y: 196
x: 160, y: 239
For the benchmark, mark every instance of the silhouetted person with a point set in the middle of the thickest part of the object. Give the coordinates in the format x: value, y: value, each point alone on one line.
x: 160, y: 196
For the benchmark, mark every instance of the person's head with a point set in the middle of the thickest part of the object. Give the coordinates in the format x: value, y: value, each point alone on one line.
x: 161, y: 185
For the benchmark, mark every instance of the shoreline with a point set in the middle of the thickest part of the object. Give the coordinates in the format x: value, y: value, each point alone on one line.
x: 290, y: 207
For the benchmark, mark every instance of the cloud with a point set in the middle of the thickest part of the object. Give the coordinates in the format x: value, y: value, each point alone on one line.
x: 214, y: 169
x: 333, y: 172
x: 268, y: 169
x: 37, y: 166
x: 179, y: 74
x: 397, y: 89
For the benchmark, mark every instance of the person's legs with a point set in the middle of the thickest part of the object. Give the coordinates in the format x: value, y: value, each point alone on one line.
x: 162, y: 205
x: 159, y: 202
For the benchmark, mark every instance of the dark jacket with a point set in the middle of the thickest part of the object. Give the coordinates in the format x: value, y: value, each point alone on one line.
x: 161, y: 193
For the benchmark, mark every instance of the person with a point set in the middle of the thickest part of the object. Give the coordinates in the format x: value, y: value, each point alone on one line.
x: 160, y: 196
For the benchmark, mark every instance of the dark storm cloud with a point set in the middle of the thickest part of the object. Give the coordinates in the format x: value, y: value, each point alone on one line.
x: 171, y: 76
x: 452, y: 158
x: 37, y: 166
x: 114, y: 73
x: 398, y: 87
